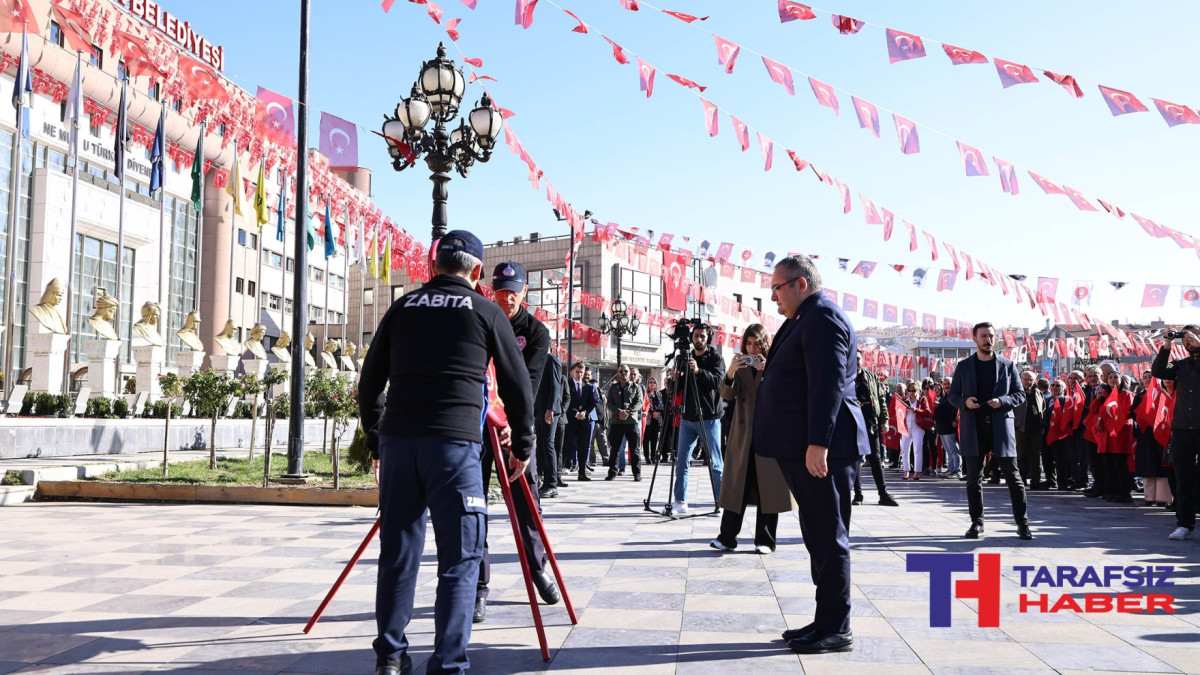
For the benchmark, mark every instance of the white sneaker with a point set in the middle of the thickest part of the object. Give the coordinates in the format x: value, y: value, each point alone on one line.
x: 679, y: 508
x: 763, y: 550
x: 716, y: 543
x: 1180, y: 534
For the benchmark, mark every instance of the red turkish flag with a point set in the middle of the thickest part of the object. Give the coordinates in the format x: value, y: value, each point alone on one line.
x: 961, y: 57
x: 791, y: 11
x: 618, y: 52
x: 969, y: 273
x: 724, y: 251
x: 903, y: 46
x: 909, y: 318
x: 631, y: 5
x: 870, y: 213
x: 864, y: 269
x: 1047, y: 289
x: 434, y: 11
x: 646, y: 77
x: 950, y: 327
x: 1154, y: 295
x: 946, y: 279
x: 870, y: 309
x: 912, y: 235
x: 1121, y: 102
x: 72, y: 25
x: 1067, y: 83
x: 726, y: 270
x: 1152, y: 228
x: 478, y: 63
x: 781, y: 74
x: 674, y: 275
x: 1013, y: 73
x: 710, y: 117
x: 686, y: 18
x: 825, y: 95
x: 1008, y: 176
x: 768, y: 151
x: 1176, y: 113
x: 846, y: 25
x: 16, y: 16
x: 932, y: 244
x: 748, y: 275
x: 842, y: 188
x: 686, y: 82
x: 136, y: 55
x: 849, y: 303
x: 742, y: 132
x: 889, y: 313
x: 524, y: 14
x: 202, y: 81
x: 1078, y: 199
x: 953, y: 255
x: 889, y: 222
x: 727, y: 52
x: 800, y: 162
x: 1044, y: 183
x: 868, y: 115
x: 906, y: 131
x: 452, y: 27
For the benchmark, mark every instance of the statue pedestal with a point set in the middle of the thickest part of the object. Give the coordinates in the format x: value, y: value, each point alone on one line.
x: 285, y: 386
x: 189, y: 362
x: 102, y: 367
x: 150, y: 361
x: 224, y: 363
x: 46, y: 358
x: 257, y: 366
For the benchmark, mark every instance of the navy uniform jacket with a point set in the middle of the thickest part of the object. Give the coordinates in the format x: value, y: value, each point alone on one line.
x: 1008, y: 390
x: 533, y: 339
x: 550, y: 392
x: 807, y: 392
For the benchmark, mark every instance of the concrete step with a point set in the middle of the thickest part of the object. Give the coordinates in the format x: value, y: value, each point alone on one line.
x: 16, y: 494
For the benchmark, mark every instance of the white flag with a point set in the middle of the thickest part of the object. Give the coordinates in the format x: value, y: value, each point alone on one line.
x: 74, y: 117
x: 1081, y: 296
x: 360, y: 247
x: 1189, y: 296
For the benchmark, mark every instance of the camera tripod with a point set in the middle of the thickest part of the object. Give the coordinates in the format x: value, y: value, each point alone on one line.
x: 683, y: 389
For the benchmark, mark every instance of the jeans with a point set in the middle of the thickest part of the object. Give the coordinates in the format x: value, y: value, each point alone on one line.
x: 953, y: 458
x: 689, y: 433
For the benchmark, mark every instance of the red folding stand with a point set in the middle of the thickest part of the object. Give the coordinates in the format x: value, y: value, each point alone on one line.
x: 502, y: 474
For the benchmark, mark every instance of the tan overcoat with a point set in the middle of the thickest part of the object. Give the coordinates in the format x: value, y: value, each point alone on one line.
x: 773, y: 493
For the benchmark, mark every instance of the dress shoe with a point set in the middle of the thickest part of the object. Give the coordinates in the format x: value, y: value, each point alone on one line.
x: 886, y: 499
x: 610, y: 476
x: 562, y: 483
x: 583, y: 476
x: 858, y: 499
x: 480, y: 610
x: 818, y: 642
x: 400, y: 666
x: 975, y: 532
x: 621, y: 472
x: 994, y: 481
x: 1023, y: 533
x: 637, y: 477
x: 548, y: 492
x: 793, y: 633
x: 546, y: 588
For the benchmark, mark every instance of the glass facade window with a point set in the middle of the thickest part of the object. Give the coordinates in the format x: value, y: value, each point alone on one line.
x: 546, y: 290
x: 181, y: 298
x: 238, y: 285
x: 639, y: 289
x: 241, y: 237
x: 368, y: 296
x: 315, y: 314
x: 291, y: 265
x: 272, y: 259
x: 96, y: 270
x: 20, y: 278
x: 287, y: 306
x: 250, y: 288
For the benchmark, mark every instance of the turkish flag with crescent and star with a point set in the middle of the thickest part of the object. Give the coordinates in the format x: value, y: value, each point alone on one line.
x: 724, y: 251
x: 868, y: 115
x: 946, y: 279
x: 1069, y: 83
x: 275, y: 118
x: 727, y: 52
x: 870, y: 309
x: 961, y: 57
x: 1176, y: 113
x: 1008, y: 176
x: 742, y: 132
x: 906, y: 131
x: 710, y: 117
x: 870, y: 213
x: 972, y: 159
x: 903, y: 46
x: 1013, y: 73
x: 202, y: 81
x: 1047, y: 289
x: 825, y: 95
x: 136, y: 55
x: 781, y: 74
x: 1121, y: 102
x: 339, y: 142
x: 1154, y: 295
x: 791, y: 11
x: 646, y: 77
x: 889, y: 313
x: 72, y: 25
x: 16, y: 16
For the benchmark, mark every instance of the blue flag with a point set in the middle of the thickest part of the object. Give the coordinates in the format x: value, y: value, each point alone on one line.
x: 330, y: 244
x: 156, y: 154
x: 121, y: 130
x: 22, y: 85
x: 283, y: 185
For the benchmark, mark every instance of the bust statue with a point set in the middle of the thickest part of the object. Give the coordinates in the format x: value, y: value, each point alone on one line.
x: 280, y: 350
x: 47, y: 312
x: 101, y: 318
x: 254, y: 342
x: 147, y: 328
x: 327, y: 352
x: 348, y: 356
x: 349, y: 350
x: 188, y: 334
x: 226, y: 340
x: 309, y: 341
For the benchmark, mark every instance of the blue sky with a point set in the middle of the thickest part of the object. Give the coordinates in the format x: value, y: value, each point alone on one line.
x: 650, y: 163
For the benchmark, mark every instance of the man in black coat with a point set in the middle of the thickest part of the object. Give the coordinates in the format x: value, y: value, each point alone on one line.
x: 807, y: 418
x: 872, y: 400
x: 547, y: 408
x: 584, y: 400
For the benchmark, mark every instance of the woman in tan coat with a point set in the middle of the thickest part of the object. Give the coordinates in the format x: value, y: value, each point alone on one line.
x: 748, y: 478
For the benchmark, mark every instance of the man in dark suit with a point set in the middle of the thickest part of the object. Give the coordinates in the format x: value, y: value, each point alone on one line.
x: 584, y: 400
x: 808, y: 419
x: 986, y: 389
x: 547, y: 406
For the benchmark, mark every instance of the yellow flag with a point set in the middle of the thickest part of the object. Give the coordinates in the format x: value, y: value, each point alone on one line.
x: 385, y: 265
x: 260, y: 198
x: 373, y: 254
x: 235, y: 186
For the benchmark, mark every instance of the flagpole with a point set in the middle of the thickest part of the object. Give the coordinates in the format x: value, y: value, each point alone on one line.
x: 10, y: 246
x: 120, y: 160
x: 295, y: 449
x: 163, y: 277
x: 199, y: 218
x: 235, y: 177
x: 76, y: 96
x: 362, y: 309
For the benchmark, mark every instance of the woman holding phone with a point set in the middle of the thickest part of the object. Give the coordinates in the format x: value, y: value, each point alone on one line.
x: 748, y: 478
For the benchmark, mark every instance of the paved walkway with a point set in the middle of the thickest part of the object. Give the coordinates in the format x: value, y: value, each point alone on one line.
x: 128, y: 588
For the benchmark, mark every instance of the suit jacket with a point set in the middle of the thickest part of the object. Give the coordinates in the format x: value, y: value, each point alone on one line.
x: 550, y: 389
x: 584, y: 401
x: 807, y: 395
x: 1008, y: 389
x: 1021, y: 412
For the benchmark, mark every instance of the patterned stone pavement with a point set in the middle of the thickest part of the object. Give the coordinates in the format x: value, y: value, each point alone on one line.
x: 129, y: 588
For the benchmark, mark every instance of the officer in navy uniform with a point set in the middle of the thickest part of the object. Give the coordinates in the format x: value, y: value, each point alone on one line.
x: 427, y: 440
x: 548, y: 407
x: 533, y: 339
x: 808, y: 418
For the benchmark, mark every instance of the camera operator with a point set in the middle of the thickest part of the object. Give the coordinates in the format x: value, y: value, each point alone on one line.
x: 624, y: 421
x: 1185, y: 422
x: 426, y: 437
x: 702, y: 410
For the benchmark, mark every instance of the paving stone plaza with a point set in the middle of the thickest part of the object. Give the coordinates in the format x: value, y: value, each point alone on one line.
x: 196, y: 588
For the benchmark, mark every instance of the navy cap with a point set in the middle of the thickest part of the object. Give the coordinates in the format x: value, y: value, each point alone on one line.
x: 466, y: 242
x: 509, y: 276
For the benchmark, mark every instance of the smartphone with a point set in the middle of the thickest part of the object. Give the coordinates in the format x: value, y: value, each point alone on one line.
x: 752, y: 360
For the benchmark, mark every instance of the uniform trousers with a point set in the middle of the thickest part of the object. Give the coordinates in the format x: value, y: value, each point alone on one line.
x: 531, y: 539
x: 443, y: 475
x: 547, y: 455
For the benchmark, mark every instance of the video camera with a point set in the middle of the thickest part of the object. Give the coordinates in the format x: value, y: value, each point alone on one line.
x: 1175, y: 334
x: 681, y: 332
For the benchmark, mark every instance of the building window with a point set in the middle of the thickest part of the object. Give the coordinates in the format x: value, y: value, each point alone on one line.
x: 221, y: 129
x: 177, y: 105
x: 287, y: 306
x: 639, y: 289
x: 758, y: 304
x: 241, y: 237
x: 315, y: 314
x: 238, y: 284
x: 397, y: 293
x: 56, y: 34
x: 291, y: 265
x: 316, y: 275
x: 96, y: 58
x: 368, y: 296
x: 96, y: 269
x: 253, y: 239
x: 250, y: 288
x: 272, y: 259
x: 155, y: 90
x: 546, y: 290
x: 737, y: 298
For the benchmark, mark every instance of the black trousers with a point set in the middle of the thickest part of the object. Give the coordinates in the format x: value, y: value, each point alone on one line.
x: 1077, y: 458
x: 1116, y: 475
x: 1185, y: 448
x: 547, y: 456
x: 577, y: 443
x: 560, y: 436
x: 929, y: 447
x: 765, y: 524
x: 1097, y: 466
x: 650, y: 440
x: 1029, y: 454
x: 1062, y: 463
x: 629, y: 432
x: 874, y: 460
x: 531, y: 539
x: 1007, y: 466
x: 1048, y: 463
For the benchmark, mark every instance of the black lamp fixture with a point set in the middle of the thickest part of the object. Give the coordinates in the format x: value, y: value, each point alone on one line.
x: 436, y: 95
x: 619, y: 324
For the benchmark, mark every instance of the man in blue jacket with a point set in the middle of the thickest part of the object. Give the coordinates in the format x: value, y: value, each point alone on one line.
x: 986, y: 388
x: 808, y: 418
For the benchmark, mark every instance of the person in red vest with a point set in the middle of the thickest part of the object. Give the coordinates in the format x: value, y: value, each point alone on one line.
x: 1114, y: 438
x: 1148, y: 454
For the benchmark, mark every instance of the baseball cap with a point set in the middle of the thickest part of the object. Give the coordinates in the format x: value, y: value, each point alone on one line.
x: 460, y: 240
x: 509, y: 276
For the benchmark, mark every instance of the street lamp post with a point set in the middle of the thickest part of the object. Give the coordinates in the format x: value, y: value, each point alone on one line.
x: 619, y: 325
x: 436, y: 95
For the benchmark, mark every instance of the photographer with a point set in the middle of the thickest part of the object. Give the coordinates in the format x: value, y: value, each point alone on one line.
x: 702, y: 410
x: 624, y: 415
x: 1185, y: 422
